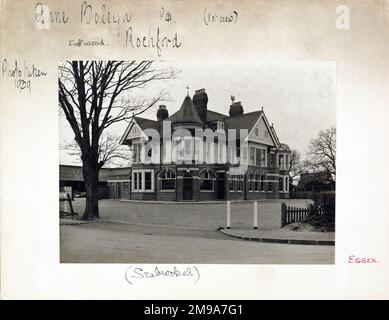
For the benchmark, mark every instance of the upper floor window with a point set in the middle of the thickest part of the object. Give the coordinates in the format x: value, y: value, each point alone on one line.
x: 258, y: 157
x: 136, y: 149
x: 281, y: 162
x: 219, y: 126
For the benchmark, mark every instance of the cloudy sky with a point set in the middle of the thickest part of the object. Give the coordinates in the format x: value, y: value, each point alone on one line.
x: 298, y: 97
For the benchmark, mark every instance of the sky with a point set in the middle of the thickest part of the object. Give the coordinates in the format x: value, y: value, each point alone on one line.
x: 299, y: 98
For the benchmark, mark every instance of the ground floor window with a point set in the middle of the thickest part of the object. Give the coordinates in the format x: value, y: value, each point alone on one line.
x: 270, y: 186
x: 286, y: 189
x: 125, y: 186
x: 281, y: 184
x: 142, y: 180
x: 168, y: 180
x: 148, y: 181
x: 236, y: 183
x: 256, y: 181
x: 112, y: 186
x: 251, y: 180
x: 207, y: 181
x: 262, y: 182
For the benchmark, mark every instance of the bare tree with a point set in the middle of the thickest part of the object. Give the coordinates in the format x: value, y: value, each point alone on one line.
x: 295, y: 165
x: 94, y: 95
x: 111, y: 152
x: 321, y: 154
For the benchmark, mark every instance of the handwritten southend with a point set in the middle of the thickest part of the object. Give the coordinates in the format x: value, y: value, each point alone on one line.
x: 21, y: 73
x: 134, y: 274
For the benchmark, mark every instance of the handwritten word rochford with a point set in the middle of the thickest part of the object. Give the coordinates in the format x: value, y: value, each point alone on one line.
x: 151, y: 40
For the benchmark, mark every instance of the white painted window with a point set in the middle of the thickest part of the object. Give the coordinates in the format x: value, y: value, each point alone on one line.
x: 258, y: 156
x: 286, y: 186
x: 137, y: 149
x: 143, y: 180
x: 281, y: 161
x: 235, y: 183
x: 220, y: 126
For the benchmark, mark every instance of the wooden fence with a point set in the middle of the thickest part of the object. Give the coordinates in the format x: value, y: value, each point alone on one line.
x: 293, y: 214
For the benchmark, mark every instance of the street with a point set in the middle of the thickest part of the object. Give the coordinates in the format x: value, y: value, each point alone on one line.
x: 119, y: 242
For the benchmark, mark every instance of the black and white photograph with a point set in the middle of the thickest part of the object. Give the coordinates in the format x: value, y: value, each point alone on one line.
x: 197, y: 162
x: 194, y: 150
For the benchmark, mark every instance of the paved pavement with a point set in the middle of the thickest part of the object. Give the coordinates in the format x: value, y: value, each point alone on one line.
x: 283, y: 236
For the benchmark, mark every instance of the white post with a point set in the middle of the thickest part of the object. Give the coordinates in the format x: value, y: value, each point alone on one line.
x: 255, y: 215
x: 228, y: 214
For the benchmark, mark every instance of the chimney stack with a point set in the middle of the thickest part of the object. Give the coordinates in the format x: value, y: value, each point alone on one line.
x: 200, y: 101
x: 162, y: 113
x: 236, y: 108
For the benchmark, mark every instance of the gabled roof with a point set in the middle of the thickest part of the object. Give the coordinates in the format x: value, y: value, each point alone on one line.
x: 143, y: 124
x: 243, y: 121
x: 215, y: 116
x: 275, y: 135
x: 147, y: 123
x: 186, y: 114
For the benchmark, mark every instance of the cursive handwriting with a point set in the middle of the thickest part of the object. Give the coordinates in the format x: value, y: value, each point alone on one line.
x: 86, y: 43
x: 211, y: 17
x: 22, y: 74
x: 354, y: 259
x: 133, y: 273
x: 154, y: 40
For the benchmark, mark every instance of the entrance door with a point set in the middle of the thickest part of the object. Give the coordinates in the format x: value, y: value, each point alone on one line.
x: 118, y: 190
x: 187, y: 186
x: 221, y: 187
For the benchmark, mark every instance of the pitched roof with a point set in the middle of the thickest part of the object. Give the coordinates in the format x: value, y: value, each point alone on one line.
x: 215, y: 116
x: 147, y: 123
x: 186, y: 114
x: 243, y: 121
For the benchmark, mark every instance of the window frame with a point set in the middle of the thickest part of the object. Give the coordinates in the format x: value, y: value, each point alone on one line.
x: 170, y: 175
x: 139, y: 182
x: 207, y: 175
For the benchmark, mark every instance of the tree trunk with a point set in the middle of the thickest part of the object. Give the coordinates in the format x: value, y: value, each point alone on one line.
x: 91, y: 179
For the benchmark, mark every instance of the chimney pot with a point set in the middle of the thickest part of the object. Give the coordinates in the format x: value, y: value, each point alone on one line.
x: 236, y: 109
x: 162, y: 113
x: 200, y: 101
